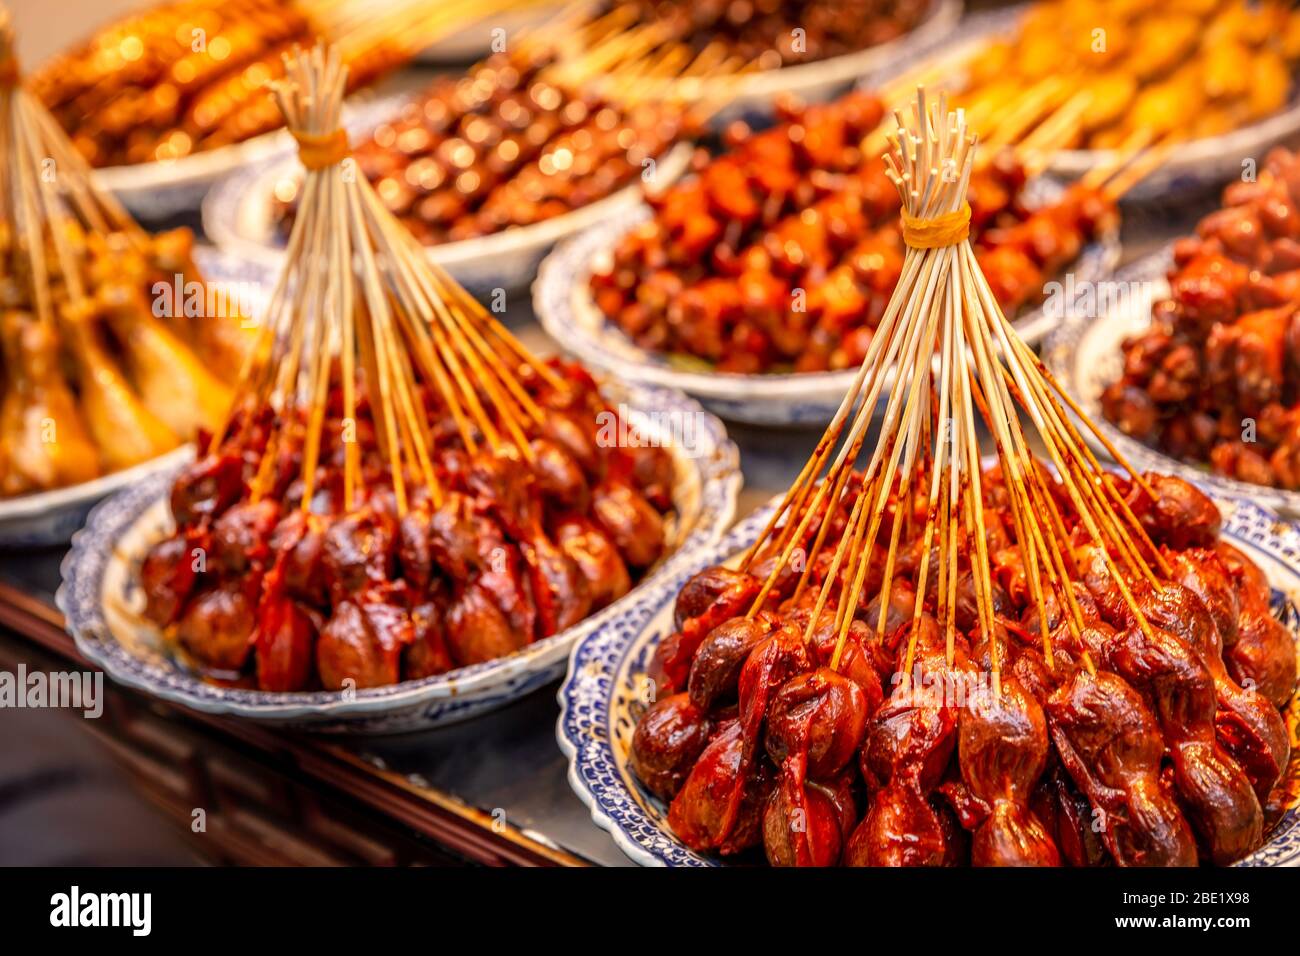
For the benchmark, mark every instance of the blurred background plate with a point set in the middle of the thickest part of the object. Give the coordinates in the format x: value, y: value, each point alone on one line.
x: 1085, y: 355
x: 564, y: 305
x: 238, y: 215
x: 1191, y: 168
x: 753, y: 95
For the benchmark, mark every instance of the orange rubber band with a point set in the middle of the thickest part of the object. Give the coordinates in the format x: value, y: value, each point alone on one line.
x: 323, y: 150
x: 9, y: 72
x: 946, y: 230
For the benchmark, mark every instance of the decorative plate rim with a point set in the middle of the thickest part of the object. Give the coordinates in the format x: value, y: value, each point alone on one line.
x: 581, y: 730
x: 83, y: 567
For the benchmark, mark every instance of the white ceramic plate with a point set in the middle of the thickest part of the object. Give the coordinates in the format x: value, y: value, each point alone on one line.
x: 601, y: 699
x: 564, y: 305
x: 238, y: 215
x: 474, y: 41
x: 50, y: 517
x: 1085, y: 356
x: 101, y: 599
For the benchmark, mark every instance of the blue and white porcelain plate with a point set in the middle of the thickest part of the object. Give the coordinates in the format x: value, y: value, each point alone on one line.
x: 1085, y: 354
x: 50, y: 517
x: 564, y: 305
x: 1191, y: 168
x: 605, y: 692
x: 101, y: 598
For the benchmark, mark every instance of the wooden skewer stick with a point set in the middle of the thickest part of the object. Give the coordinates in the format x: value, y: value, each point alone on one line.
x: 954, y: 358
x: 359, y: 302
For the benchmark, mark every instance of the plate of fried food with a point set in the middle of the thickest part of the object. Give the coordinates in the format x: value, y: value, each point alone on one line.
x: 1208, y: 83
x: 117, y: 346
x: 488, y: 170
x: 166, y: 101
x: 408, y: 517
x: 636, y: 740
x: 756, y: 284
x: 925, y: 654
x: 1187, y: 358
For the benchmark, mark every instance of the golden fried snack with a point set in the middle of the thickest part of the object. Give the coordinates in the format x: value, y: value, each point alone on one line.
x: 1187, y: 69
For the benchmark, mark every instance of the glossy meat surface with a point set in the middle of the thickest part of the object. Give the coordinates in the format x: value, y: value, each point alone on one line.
x: 1116, y: 731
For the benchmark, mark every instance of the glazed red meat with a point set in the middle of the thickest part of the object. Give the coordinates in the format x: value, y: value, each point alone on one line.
x: 1120, y: 729
x: 781, y: 254
x: 505, y: 551
x: 1213, y: 379
x: 1002, y: 748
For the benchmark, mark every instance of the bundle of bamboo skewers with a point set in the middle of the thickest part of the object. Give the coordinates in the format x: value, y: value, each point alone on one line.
x: 403, y: 488
x: 944, y: 317
x: 103, y: 367
x: 1015, y: 649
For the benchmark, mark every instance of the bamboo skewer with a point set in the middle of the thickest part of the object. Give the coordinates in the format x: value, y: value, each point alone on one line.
x: 955, y: 358
x: 358, y: 303
x: 37, y: 204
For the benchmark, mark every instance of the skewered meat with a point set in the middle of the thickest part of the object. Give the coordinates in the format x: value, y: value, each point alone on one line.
x: 909, y: 743
x: 362, y: 642
x: 596, y: 557
x: 284, y: 639
x: 1262, y: 655
x: 721, y: 804
x: 1214, y: 377
x: 503, y: 147
x: 328, y: 596
x: 217, y: 625
x: 45, y: 441
x: 1109, y: 743
x: 704, y: 602
x: 110, y: 376
x: 188, y: 76
x: 715, y: 668
x: 168, y: 573
x: 1202, y: 69
x: 1002, y: 748
x: 1132, y: 743
x: 1180, y: 692
x: 751, y: 277
x: 667, y: 743
x: 428, y: 654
